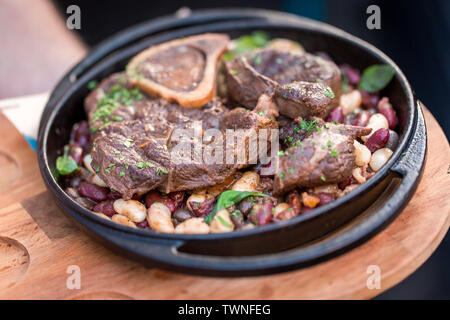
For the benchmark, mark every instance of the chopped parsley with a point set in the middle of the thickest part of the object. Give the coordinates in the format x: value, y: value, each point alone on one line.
x: 280, y: 153
x: 222, y: 221
x: 114, y: 98
x: 282, y: 175
x: 329, y: 93
x: 92, y: 84
x: 323, y: 178
x: 308, y: 126
x: 127, y: 142
x: 334, y: 153
x: 291, y: 171
x: 121, y: 174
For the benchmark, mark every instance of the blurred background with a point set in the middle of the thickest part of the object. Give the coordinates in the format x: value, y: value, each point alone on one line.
x: 415, y: 34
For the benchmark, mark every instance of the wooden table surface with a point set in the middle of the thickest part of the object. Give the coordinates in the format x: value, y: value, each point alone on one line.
x: 38, y: 245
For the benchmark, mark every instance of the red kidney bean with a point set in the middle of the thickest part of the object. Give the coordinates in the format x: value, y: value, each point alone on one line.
x: 182, y: 214
x: 393, y: 140
x: 293, y: 199
x: 143, y: 224
x: 177, y: 197
x: 336, y: 114
x: 105, y: 207
x: 306, y: 209
x: 386, y: 109
x: 76, y: 153
x: 325, y: 198
x: 268, y: 204
x: 350, y: 180
x: 246, y: 205
x: 137, y: 197
x: 155, y: 196
x: 286, y: 215
x: 377, y: 140
x: 362, y: 119
x: 114, y: 195
x: 204, y: 208
x: 237, y: 218
x: 81, y: 135
x: 352, y: 74
x: 260, y: 215
x: 369, y: 100
x: 92, y: 191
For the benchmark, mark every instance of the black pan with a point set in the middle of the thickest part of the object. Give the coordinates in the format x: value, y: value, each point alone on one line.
x: 302, y: 241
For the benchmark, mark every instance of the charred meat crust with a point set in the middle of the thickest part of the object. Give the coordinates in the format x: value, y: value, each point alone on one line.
x: 326, y: 156
x: 267, y: 71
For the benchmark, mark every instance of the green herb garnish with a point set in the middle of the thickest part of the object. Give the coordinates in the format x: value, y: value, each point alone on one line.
x: 255, y: 40
x: 229, y: 198
x: 376, y: 77
x: 92, y: 85
x: 334, y: 153
x: 329, y: 93
x: 66, y: 164
x: 225, y: 223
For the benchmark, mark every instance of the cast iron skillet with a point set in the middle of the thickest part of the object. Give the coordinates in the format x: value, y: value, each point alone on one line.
x: 302, y: 241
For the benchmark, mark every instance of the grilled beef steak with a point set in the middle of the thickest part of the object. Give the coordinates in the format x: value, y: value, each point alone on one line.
x: 303, y: 99
x: 182, y: 70
x: 303, y: 84
x: 136, y: 156
x: 326, y: 156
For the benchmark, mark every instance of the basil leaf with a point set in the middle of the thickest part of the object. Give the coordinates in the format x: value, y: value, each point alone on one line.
x: 376, y: 77
x: 66, y: 165
x: 229, y: 198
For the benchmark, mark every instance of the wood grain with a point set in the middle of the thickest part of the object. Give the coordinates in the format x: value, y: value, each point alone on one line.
x: 38, y: 243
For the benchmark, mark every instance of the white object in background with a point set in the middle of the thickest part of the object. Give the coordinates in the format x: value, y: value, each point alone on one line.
x: 25, y: 112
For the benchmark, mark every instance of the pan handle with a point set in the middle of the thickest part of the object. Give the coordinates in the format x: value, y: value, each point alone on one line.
x: 168, y: 253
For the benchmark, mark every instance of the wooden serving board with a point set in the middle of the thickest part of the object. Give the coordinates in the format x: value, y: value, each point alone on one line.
x: 38, y: 244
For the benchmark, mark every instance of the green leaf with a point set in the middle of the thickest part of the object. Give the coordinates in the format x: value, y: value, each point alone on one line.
x: 92, y: 84
x: 255, y: 40
x: 376, y: 77
x: 66, y: 165
x: 229, y: 198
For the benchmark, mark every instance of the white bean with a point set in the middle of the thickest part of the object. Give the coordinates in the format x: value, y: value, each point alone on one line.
x: 87, y: 160
x: 358, y: 175
x: 132, y: 209
x: 248, y: 182
x: 159, y: 218
x: 98, y: 181
x: 362, y: 154
x: 123, y: 220
x: 379, y: 158
x: 222, y: 222
x: 280, y: 208
x: 193, y: 226
x: 350, y: 101
x: 101, y: 215
x: 376, y: 121
x: 87, y: 163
